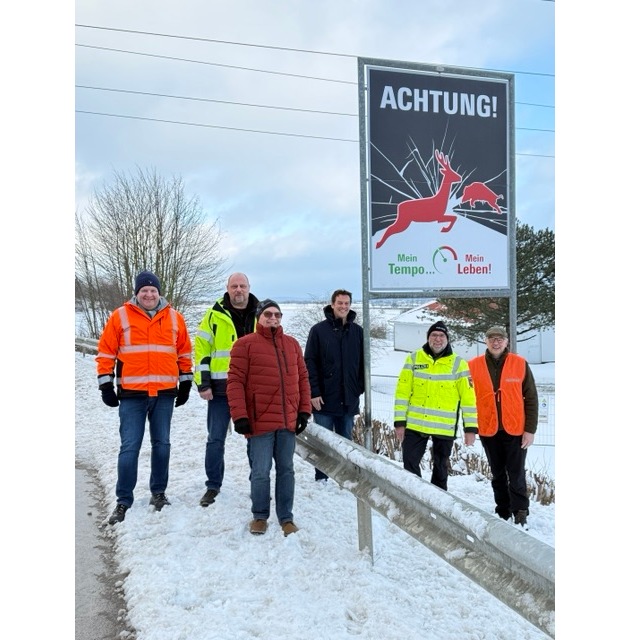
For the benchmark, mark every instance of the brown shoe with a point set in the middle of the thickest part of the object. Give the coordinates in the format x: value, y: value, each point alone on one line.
x: 258, y: 527
x: 208, y: 497
x: 288, y: 528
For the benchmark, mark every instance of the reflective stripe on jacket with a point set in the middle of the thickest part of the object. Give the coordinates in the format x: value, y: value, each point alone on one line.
x: 430, y: 394
x: 146, y: 355
x: 508, y: 395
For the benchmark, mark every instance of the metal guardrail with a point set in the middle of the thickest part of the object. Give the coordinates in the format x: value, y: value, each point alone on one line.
x: 86, y: 345
x: 514, y: 567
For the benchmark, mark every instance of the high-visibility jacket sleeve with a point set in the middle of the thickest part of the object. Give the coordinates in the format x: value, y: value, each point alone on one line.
x: 184, y: 351
x: 467, y: 395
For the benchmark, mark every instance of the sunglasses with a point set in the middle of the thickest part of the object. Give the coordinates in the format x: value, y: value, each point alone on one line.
x: 272, y: 314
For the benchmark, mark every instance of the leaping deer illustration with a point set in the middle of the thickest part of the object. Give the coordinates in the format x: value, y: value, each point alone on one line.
x: 431, y: 209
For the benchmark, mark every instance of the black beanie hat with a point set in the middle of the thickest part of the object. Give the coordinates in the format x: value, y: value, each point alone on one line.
x: 265, y: 304
x: 146, y: 279
x: 438, y: 326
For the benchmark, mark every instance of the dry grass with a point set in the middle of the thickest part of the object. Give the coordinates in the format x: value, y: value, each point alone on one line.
x: 464, y: 461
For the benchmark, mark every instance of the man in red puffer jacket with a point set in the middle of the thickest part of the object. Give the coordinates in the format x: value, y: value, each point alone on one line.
x: 270, y: 401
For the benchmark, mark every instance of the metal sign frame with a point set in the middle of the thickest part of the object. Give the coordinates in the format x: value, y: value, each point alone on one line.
x: 437, y: 179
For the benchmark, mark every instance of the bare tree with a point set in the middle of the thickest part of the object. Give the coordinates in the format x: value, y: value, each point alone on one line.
x: 144, y: 221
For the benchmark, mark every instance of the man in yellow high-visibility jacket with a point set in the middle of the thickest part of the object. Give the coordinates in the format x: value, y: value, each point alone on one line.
x: 231, y: 317
x: 433, y: 388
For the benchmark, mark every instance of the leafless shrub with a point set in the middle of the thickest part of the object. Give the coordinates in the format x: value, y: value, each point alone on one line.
x: 541, y: 488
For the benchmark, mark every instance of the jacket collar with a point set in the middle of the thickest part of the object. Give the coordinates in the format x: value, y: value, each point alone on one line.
x: 337, y: 322
x: 266, y: 332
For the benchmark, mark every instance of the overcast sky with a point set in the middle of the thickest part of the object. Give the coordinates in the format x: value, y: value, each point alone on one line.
x: 284, y: 182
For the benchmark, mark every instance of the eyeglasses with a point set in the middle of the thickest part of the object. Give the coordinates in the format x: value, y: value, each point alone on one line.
x: 272, y: 314
x: 496, y: 339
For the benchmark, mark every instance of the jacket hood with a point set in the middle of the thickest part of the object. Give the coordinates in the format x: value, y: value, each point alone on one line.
x: 224, y: 302
x: 163, y: 302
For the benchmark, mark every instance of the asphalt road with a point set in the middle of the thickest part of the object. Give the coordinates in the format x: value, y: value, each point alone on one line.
x: 99, y: 606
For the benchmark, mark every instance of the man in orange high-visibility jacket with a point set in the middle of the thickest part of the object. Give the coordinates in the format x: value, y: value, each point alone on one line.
x: 507, y: 413
x: 146, y: 349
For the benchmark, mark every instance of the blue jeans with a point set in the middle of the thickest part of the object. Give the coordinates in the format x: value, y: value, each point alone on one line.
x: 278, y: 446
x: 342, y: 425
x: 218, y: 423
x: 133, y: 413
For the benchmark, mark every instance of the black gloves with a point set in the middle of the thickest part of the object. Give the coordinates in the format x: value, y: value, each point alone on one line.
x: 111, y: 399
x: 301, y: 423
x: 108, y: 394
x: 242, y: 426
x: 400, y: 423
x: 183, y: 392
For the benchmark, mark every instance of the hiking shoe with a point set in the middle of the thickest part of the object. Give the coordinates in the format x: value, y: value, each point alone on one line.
x: 208, y: 497
x: 520, y: 518
x: 158, y: 500
x: 288, y: 528
x: 119, y: 513
x: 258, y: 527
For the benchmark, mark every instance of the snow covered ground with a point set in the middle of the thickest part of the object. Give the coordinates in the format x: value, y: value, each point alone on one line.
x: 198, y: 574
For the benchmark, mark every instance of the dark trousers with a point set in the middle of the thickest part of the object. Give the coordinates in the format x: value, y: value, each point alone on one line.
x: 507, y: 464
x: 414, y: 445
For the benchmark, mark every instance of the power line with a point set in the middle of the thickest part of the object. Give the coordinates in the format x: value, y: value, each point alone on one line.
x: 230, y: 66
x: 262, y: 46
x: 239, y: 44
x: 534, y: 104
x: 246, y: 104
x: 242, y: 104
x: 273, y: 133
x: 215, y: 64
x: 213, y: 126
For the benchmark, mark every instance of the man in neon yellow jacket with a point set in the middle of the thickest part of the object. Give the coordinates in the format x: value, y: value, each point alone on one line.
x: 231, y: 317
x: 433, y: 388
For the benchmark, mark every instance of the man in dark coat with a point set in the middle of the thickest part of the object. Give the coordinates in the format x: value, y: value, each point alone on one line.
x: 334, y: 359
